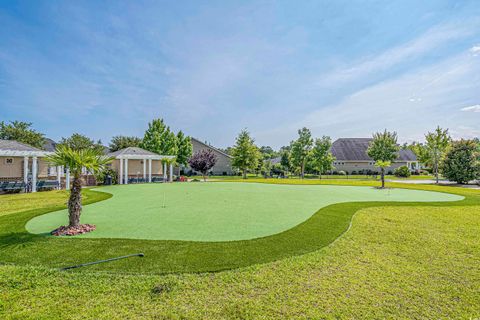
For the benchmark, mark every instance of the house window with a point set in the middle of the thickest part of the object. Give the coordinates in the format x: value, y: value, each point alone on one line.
x: 8, y: 160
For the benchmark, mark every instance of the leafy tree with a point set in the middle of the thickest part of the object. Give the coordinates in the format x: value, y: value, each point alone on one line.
x: 437, y: 144
x: 159, y: 139
x: 267, y: 152
x: 122, y: 142
x: 184, y: 148
x: 245, y: 153
x: 321, y: 157
x: 422, y: 153
x: 285, y: 161
x: 301, y: 149
x: 267, y: 167
x: 80, y: 142
x: 383, y: 149
x: 227, y: 150
x: 21, y: 132
x: 76, y: 159
x: 462, y: 162
x: 202, y: 161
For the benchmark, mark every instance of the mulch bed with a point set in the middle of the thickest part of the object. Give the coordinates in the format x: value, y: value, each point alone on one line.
x: 73, y: 231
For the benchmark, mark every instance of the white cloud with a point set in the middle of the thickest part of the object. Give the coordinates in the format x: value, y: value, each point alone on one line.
x: 475, y: 50
x: 431, y: 40
x: 474, y: 108
x: 389, y: 104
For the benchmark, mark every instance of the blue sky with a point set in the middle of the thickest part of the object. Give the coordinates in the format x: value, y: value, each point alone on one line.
x: 211, y: 68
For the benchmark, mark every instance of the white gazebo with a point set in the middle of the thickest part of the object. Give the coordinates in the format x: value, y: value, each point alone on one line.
x: 132, y: 161
x: 11, y: 150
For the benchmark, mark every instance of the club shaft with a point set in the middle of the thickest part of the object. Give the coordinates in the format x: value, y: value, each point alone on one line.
x: 102, y: 261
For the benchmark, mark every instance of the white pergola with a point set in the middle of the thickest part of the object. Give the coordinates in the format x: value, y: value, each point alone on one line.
x: 124, y: 157
x: 34, y: 154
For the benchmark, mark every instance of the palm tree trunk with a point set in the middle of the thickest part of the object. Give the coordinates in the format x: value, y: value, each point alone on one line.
x: 75, y: 202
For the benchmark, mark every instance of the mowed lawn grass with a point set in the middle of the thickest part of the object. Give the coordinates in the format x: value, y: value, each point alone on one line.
x: 394, y: 262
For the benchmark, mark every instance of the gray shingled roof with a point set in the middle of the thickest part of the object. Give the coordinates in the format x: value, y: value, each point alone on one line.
x: 132, y: 151
x: 49, y: 145
x: 355, y: 149
x: 16, y: 146
x: 211, y: 147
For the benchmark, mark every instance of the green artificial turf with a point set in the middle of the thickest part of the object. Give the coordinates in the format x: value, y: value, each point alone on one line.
x: 19, y: 247
x: 215, y: 211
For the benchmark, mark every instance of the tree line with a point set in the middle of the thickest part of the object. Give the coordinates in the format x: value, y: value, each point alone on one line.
x: 455, y: 160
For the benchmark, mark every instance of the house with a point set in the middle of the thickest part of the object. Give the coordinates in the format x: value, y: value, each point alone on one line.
x: 23, y: 163
x: 351, y: 156
x: 224, y: 161
x: 135, y: 164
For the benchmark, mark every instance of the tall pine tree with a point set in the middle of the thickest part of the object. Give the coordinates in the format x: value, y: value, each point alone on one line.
x: 245, y: 153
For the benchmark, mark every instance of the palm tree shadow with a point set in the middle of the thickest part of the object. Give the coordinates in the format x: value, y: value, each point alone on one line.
x: 15, y: 240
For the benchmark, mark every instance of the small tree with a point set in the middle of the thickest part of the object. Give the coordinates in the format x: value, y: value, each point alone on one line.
x: 383, y: 149
x: 301, y: 149
x: 321, y: 157
x: 462, y: 162
x: 202, y: 161
x: 245, y: 154
x: 91, y: 159
x: 122, y: 142
x: 422, y: 153
x: 437, y: 144
x: 21, y: 131
x: 184, y: 149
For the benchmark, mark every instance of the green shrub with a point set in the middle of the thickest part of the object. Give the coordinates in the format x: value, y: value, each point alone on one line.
x: 341, y: 173
x: 462, y: 162
x: 402, y: 172
x: 101, y: 176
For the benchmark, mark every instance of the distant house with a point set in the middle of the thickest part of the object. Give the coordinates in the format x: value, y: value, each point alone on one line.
x: 224, y: 161
x: 351, y: 156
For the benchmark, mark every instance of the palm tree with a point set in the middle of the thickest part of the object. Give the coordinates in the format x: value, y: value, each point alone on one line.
x: 90, y: 158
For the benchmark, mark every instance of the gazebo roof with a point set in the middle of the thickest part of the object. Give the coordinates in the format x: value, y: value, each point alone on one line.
x: 138, y: 153
x: 12, y: 148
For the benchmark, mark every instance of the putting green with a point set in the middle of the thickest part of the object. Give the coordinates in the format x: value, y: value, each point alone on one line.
x: 216, y: 211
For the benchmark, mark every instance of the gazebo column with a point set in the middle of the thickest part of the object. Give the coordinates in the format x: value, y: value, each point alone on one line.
x: 144, y: 170
x: 149, y: 170
x: 164, y: 171
x: 120, y: 172
x: 171, y: 173
x: 126, y: 171
x: 67, y: 179
x: 59, y: 177
x: 34, y: 174
x: 25, y: 170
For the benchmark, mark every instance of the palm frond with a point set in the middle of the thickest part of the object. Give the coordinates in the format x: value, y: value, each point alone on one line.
x: 91, y: 159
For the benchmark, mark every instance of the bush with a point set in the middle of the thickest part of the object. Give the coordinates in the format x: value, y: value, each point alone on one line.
x: 461, y: 163
x: 341, y: 173
x: 354, y: 172
x: 102, y: 176
x: 402, y: 172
